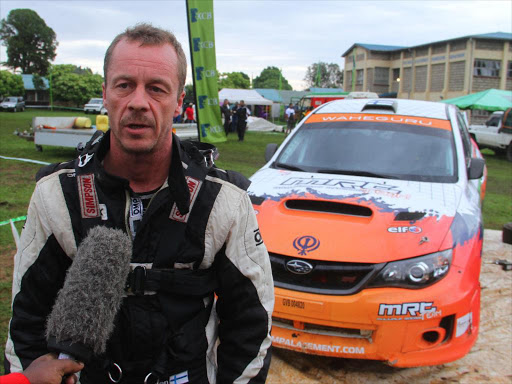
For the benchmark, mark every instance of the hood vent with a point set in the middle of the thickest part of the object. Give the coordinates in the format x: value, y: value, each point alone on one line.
x: 409, y: 216
x: 329, y: 207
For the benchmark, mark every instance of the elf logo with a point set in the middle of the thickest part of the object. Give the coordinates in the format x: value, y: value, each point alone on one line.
x: 412, y: 229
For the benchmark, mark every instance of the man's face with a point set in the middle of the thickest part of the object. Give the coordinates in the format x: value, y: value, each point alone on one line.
x: 141, y: 96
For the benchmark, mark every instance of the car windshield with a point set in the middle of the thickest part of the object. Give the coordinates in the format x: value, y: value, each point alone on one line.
x: 374, y: 149
x: 96, y: 101
x: 11, y: 99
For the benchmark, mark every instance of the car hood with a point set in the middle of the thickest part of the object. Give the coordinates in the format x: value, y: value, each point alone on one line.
x: 351, y: 218
x: 8, y: 104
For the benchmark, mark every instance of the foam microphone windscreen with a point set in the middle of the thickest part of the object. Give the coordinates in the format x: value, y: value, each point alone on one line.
x: 82, y: 317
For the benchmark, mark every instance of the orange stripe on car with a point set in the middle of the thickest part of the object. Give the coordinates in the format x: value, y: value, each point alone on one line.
x: 399, y: 119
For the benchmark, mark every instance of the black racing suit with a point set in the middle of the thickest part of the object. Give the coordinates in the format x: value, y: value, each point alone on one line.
x: 202, y: 307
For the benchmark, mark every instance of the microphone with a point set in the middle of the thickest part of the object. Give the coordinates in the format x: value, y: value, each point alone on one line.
x: 82, y: 318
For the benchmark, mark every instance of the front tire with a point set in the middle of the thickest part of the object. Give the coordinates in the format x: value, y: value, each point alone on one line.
x: 509, y: 152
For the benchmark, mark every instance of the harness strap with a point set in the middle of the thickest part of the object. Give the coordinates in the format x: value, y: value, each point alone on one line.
x: 198, y: 283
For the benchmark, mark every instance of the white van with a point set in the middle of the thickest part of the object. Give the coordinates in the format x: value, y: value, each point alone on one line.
x: 362, y: 95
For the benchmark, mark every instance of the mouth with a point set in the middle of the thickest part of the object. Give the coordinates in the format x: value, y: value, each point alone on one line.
x: 137, y: 126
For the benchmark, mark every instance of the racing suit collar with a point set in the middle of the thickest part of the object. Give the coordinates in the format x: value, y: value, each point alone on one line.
x: 176, y: 180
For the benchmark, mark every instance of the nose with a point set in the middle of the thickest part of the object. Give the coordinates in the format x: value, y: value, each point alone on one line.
x: 138, y: 100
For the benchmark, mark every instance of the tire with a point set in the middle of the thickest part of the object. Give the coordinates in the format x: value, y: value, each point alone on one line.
x: 509, y: 152
x: 507, y: 233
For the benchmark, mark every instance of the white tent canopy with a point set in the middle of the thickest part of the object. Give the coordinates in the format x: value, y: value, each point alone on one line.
x: 249, y: 96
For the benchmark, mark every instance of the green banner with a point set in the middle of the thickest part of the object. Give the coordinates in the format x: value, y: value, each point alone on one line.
x: 204, y: 70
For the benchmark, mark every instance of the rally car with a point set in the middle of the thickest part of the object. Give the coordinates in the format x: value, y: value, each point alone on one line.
x: 371, y: 213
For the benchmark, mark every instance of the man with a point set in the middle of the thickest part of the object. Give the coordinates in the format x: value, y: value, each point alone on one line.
x: 226, y: 112
x: 242, y: 114
x: 290, y: 118
x: 200, y: 294
x: 46, y: 369
x: 189, y: 113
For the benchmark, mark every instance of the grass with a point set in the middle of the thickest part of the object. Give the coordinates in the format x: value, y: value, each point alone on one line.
x: 17, y: 183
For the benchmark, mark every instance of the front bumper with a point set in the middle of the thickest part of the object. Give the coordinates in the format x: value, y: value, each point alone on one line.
x: 403, y: 327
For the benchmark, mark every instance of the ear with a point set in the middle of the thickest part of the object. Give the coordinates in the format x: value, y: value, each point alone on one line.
x: 177, y: 111
x: 104, y: 90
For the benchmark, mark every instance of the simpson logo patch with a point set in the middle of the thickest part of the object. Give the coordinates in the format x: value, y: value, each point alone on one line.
x: 193, y: 187
x: 88, y: 197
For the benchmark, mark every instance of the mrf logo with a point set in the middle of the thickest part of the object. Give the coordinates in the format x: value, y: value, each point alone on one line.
x: 196, y: 16
x: 412, y: 229
x: 200, y: 71
x: 413, y: 309
x: 204, y: 101
x: 305, y: 244
x: 198, y: 44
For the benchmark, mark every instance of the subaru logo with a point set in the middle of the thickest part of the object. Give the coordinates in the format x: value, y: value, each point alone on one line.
x: 299, y: 267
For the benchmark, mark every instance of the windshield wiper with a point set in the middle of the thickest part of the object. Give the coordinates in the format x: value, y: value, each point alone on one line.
x: 356, y: 173
x: 288, y: 166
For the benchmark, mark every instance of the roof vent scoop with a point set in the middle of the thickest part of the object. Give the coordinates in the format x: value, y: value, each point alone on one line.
x: 409, y: 216
x: 388, y: 105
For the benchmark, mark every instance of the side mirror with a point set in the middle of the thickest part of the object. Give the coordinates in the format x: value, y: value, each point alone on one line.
x: 476, y: 169
x: 269, y: 151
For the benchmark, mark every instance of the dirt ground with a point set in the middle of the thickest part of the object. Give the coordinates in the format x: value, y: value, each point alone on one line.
x: 490, y: 360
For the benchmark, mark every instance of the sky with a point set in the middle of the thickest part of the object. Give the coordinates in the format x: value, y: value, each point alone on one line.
x: 254, y: 34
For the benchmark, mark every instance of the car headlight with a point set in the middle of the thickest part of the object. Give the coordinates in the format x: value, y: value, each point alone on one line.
x: 418, y: 272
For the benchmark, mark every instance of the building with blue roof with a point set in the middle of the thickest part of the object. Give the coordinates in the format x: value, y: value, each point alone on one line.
x: 35, y: 96
x: 431, y: 71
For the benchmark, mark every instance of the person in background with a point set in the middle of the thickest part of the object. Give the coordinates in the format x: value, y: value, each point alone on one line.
x: 242, y: 114
x: 46, y: 369
x: 234, y: 118
x: 226, y: 112
x: 189, y: 114
x: 290, y: 118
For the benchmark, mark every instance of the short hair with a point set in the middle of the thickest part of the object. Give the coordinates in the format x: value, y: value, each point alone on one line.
x: 146, y: 34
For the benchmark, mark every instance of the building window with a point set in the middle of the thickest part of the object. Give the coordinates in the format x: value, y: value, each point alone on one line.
x: 381, y: 76
x: 396, y: 74
x: 360, y: 76
x: 489, y: 68
x: 509, y: 70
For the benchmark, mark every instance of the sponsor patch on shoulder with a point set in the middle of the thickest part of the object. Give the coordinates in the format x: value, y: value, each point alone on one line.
x: 193, y: 187
x: 88, y: 197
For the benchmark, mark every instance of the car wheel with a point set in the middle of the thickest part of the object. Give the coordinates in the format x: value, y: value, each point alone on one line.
x: 509, y: 152
x: 507, y: 233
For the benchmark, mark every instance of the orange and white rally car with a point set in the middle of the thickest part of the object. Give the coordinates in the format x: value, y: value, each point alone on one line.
x: 371, y: 212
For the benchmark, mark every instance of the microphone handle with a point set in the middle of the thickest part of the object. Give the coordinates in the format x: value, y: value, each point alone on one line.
x: 63, y: 356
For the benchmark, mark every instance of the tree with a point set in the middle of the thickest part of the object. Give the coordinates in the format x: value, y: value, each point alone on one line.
x: 271, y: 78
x: 190, y: 95
x: 74, y: 84
x: 11, y: 85
x: 237, y: 80
x: 324, y: 75
x: 31, y: 44
x: 38, y: 82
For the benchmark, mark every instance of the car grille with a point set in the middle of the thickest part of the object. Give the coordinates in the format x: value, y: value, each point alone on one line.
x: 326, y: 277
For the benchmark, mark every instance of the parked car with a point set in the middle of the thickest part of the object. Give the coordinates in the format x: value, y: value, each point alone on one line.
x: 371, y: 213
x: 13, y: 103
x: 94, y: 106
x: 496, y: 134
